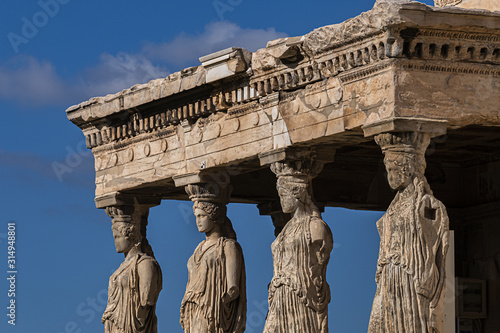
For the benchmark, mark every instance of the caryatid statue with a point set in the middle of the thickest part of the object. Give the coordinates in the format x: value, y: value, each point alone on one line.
x: 134, y: 287
x: 215, y: 298
x: 298, y: 293
x: 413, y: 243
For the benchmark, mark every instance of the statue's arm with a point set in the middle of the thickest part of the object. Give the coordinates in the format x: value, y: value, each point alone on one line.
x: 233, y: 256
x: 381, y: 252
x: 322, y: 240
x: 443, y: 242
x: 148, y: 282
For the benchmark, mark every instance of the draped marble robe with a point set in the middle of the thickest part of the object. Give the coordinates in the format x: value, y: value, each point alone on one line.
x: 411, y: 266
x: 131, y: 302
x: 298, y: 293
x: 202, y: 309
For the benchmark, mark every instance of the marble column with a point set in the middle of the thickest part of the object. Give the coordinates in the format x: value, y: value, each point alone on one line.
x: 135, y: 286
x: 413, y: 240
x: 299, y: 293
x: 215, y: 298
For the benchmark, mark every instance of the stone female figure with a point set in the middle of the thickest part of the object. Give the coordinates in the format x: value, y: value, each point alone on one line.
x: 298, y: 293
x: 215, y: 298
x: 413, y: 244
x: 134, y: 287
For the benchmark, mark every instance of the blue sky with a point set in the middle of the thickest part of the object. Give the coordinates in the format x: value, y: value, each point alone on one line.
x: 56, y: 53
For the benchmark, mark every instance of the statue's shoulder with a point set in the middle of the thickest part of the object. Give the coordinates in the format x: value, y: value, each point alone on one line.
x: 430, y: 203
x: 319, y: 229
x: 227, y: 240
x: 317, y: 222
x: 434, y: 210
x: 231, y: 244
x: 144, y: 256
x: 317, y: 219
x: 431, y: 200
x: 145, y: 259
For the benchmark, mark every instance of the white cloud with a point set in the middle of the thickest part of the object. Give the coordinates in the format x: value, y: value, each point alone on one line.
x: 29, y: 81
x: 35, y: 83
x: 115, y: 73
x: 184, y: 50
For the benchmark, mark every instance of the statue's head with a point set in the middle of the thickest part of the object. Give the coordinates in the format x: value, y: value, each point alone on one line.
x: 404, y: 156
x: 210, y: 200
x: 208, y: 215
x: 126, y: 235
x: 400, y: 169
x: 294, y: 182
x: 129, y: 227
x: 292, y: 191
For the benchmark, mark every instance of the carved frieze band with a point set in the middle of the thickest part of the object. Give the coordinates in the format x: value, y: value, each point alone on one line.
x: 465, y: 51
x: 332, y: 64
x: 459, y: 69
x: 462, y: 35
